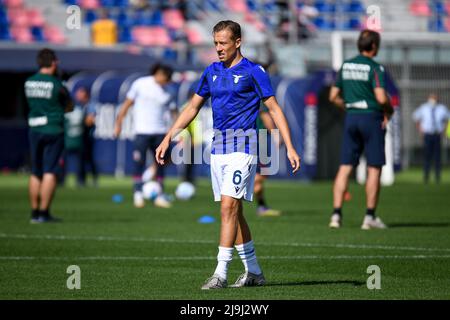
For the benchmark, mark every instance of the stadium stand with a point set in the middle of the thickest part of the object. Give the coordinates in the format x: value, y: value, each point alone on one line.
x: 24, y: 21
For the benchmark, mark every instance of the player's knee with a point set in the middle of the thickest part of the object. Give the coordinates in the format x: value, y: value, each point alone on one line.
x: 228, y: 209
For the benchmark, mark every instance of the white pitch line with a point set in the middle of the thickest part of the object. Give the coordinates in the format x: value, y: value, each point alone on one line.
x: 197, y: 258
x: 193, y: 241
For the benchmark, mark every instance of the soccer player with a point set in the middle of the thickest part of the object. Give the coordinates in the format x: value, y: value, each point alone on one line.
x: 48, y: 100
x: 151, y: 100
x: 236, y: 86
x: 360, y: 89
x: 82, y: 95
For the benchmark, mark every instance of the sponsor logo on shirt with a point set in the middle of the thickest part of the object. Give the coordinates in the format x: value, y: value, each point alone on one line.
x: 38, y: 121
x: 236, y: 78
x: 39, y: 89
x: 355, y: 71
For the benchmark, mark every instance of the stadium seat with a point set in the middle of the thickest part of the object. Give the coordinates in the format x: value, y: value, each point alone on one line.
x: 38, y: 34
x: 173, y: 19
x: 125, y: 34
x: 352, y: 24
x: 71, y: 2
x: 325, y: 7
x: 211, y: 5
x: 150, y: 36
x: 122, y: 3
x: 239, y: 6
x: 143, y: 18
x: 354, y: 7
x: 21, y: 34
x: 3, y: 18
x: 18, y: 17
x: 89, y: 4
x: 269, y: 6
x: 54, y: 35
x: 157, y: 19
x: 420, y: 8
x: 438, y: 7
x: 436, y: 24
x: 4, y: 33
x: 107, y: 3
x: 35, y: 17
x: 447, y: 6
x: 90, y: 16
x: 447, y: 24
x: 252, y: 5
x: 125, y: 18
x: 324, y: 24
x: 170, y: 54
x: 13, y: 3
x: 194, y: 37
x: 252, y: 18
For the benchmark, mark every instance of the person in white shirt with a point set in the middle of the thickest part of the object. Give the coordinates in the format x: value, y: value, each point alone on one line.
x: 431, y: 121
x: 151, y: 100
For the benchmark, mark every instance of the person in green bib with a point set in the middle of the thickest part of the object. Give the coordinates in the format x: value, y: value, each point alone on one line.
x: 360, y: 90
x: 48, y: 99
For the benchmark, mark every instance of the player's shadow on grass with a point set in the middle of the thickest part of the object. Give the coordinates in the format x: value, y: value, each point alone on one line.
x: 316, y: 283
x: 419, y: 225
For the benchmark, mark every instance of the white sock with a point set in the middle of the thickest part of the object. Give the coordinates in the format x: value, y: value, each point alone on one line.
x: 247, y: 254
x: 224, y: 258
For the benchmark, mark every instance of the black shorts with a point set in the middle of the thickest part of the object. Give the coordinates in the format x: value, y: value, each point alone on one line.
x: 363, y: 132
x: 46, y: 151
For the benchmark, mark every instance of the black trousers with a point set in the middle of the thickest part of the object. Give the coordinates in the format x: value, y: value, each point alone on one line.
x: 432, y: 150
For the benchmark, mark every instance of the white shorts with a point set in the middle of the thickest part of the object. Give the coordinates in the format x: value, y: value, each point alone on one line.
x: 233, y: 175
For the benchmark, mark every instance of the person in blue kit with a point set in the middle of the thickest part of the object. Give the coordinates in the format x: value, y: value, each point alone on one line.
x: 431, y: 120
x: 236, y: 87
x: 360, y: 90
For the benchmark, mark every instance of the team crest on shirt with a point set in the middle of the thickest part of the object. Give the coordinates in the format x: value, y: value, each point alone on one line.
x: 236, y: 78
x: 214, y: 78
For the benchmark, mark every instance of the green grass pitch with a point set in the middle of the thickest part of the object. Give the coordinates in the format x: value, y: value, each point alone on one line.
x: 152, y: 253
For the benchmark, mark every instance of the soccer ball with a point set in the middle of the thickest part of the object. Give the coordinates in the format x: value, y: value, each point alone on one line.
x: 151, y: 190
x: 185, y: 191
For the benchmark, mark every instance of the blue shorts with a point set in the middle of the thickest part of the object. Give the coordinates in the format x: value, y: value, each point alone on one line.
x: 46, y: 151
x: 142, y: 143
x: 363, y: 132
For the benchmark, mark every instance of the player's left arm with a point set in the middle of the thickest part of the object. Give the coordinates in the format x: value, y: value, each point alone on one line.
x: 267, y: 120
x: 379, y: 89
x: 269, y: 125
x: 280, y: 121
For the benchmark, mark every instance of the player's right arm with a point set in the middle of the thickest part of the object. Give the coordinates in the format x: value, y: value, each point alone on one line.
x: 378, y: 84
x: 122, y: 113
x: 335, y: 92
x: 186, y: 116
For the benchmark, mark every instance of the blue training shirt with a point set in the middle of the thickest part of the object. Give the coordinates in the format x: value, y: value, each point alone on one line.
x: 235, y: 94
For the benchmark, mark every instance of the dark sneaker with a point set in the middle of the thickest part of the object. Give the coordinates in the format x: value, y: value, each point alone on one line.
x: 49, y: 219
